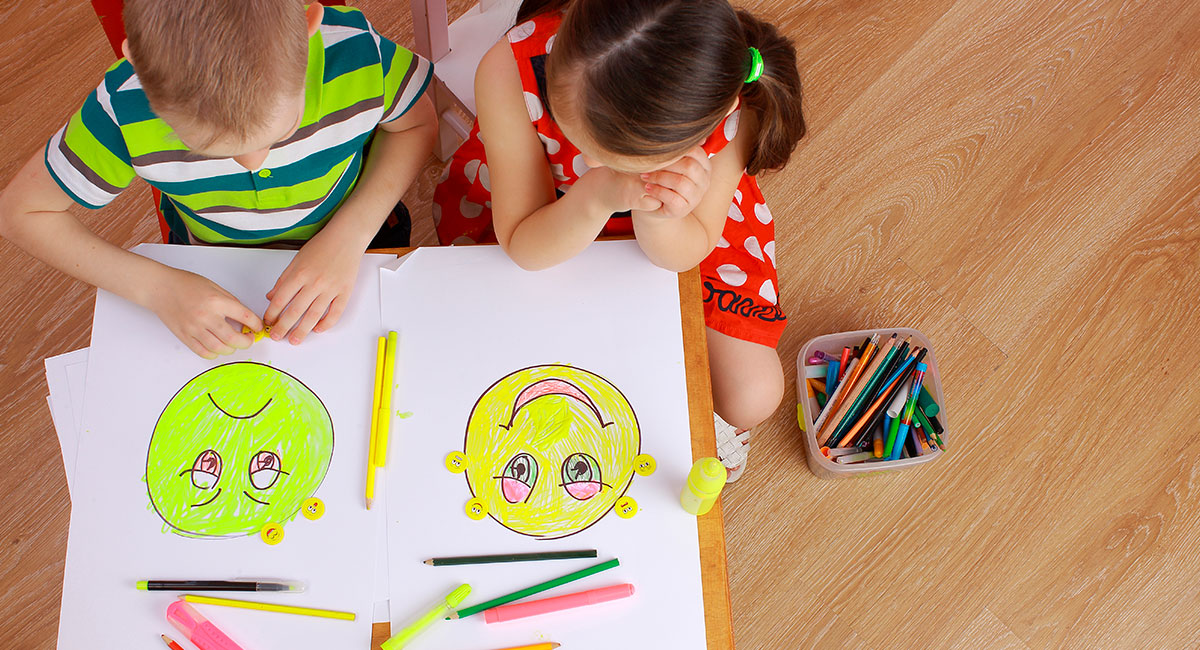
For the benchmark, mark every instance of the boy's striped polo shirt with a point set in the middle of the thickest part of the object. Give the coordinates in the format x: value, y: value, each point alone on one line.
x: 356, y: 79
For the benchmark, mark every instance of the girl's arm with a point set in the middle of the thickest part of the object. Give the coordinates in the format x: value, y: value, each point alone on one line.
x: 536, y: 230
x: 695, y: 203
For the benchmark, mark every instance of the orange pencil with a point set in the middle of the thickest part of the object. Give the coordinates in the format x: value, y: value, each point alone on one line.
x: 866, y: 415
x: 847, y: 385
x: 868, y: 357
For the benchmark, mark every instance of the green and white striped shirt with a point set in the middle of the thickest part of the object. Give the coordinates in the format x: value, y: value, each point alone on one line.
x: 356, y: 79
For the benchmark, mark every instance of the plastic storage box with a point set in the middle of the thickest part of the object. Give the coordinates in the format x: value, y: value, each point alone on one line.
x: 832, y: 344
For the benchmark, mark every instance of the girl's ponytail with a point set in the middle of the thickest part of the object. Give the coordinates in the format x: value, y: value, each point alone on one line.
x: 774, y: 96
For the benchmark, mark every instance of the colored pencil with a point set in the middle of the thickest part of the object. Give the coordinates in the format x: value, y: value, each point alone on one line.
x: 511, y: 557
x: 170, y: 642
x: 848, y: 382
x: 536, y: 589
x: 872, y: 380
x: 832, y: 398
x: 860, y: 386
x: 385, y: 400
x: 878, y: 410
x: 268, y: 607
x: 380, y: 348
x: 865, y: 419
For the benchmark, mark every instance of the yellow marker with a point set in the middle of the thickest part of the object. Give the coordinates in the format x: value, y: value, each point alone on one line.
x: 269, y: 607
x: 385, y: 401
x: 379, y: 355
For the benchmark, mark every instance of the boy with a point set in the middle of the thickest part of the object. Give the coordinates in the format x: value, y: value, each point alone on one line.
x: 251, y: 117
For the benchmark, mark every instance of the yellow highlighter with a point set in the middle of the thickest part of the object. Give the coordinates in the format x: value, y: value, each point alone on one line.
x: 379, y: 357
x: 439, y: 611
x: 385, y: 400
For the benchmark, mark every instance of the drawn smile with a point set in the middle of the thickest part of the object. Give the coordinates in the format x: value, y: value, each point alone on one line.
x: 265, y: 503
x: 214, y: 498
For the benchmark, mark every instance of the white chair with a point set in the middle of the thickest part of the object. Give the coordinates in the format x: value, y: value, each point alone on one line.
x: 456, y: 49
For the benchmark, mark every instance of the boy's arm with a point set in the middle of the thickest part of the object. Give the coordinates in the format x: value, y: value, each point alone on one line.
x: 312, y: 292
x: 536, y: 230
x: 34, y: 216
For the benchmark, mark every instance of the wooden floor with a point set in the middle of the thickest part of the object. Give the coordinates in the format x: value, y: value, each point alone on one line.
x: 1018, y: 180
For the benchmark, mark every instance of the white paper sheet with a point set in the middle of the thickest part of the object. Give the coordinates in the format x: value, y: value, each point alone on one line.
x: 66, y: 374
x: 65, y: 377
x: 135, y: 367
x: 468, y: 317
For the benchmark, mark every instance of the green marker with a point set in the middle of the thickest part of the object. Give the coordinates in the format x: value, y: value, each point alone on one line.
x: 891, y: 438
x: 444, y: 607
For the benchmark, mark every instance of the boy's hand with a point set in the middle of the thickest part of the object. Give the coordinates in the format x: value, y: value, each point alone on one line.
x: 312, y: 291
x: 198, y: 312
x: 680, y: 186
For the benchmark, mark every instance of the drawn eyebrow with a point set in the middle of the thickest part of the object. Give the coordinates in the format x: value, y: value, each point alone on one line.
x: 238, y: 417
x: 214, y: 498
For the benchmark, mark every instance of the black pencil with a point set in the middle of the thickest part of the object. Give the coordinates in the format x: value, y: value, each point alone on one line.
x: 511, y: 557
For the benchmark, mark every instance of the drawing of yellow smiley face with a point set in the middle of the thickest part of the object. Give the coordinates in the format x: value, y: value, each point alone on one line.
x: 549, y: 450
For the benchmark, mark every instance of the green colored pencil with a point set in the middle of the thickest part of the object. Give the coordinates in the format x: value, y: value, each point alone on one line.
x: 868, y: 392
x: 511, y: 557
x: 536, y: 589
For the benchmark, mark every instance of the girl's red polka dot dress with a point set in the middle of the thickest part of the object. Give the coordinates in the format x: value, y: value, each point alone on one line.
x: 739, y: 278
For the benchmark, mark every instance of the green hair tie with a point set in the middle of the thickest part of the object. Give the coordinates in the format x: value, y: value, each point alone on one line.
x: 756, y: 66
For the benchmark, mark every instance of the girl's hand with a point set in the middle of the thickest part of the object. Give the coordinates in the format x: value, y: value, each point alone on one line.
x: 616, y: 191
x: 198, y: 312
x: 680, y: 186
x: 311, y: 293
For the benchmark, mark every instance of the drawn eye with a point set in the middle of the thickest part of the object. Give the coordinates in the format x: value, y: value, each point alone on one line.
x: 265, y: 469
x: 519, y: 477
x: 581, y: 476
x: 206, y: 470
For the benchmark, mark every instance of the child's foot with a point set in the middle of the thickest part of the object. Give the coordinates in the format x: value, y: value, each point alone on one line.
x: 733, y: 447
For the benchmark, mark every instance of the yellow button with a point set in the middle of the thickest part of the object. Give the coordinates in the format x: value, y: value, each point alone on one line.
x: 272, y: 534
x: 476, y: 509
x: 265, y: 173
x: 313, y: 508
x: 626, y: 507
x: 456, y: 462
x: 644, y: 464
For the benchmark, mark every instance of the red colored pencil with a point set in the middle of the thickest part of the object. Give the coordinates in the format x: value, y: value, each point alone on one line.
x: 171, y: 642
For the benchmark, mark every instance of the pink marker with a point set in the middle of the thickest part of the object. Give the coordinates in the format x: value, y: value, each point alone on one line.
x: 197, y: 629
x: 558, y: 603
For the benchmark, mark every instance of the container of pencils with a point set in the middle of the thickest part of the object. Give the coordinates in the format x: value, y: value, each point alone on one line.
x: 870, y: 401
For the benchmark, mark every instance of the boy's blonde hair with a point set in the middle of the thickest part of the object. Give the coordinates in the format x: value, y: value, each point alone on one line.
x: 223, y: 63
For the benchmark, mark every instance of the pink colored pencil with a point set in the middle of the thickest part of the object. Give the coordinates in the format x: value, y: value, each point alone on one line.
x: 557, y: 603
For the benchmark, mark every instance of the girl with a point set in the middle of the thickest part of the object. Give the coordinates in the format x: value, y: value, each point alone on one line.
x: 651, y: 118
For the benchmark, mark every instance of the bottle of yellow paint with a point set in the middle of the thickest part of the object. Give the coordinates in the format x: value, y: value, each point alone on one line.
x: 703, y: 486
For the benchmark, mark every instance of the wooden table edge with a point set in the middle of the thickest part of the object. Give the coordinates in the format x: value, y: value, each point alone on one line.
x: 711, y: 527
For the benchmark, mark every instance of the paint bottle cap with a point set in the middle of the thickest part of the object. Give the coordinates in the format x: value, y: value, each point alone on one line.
x: 707, y: 477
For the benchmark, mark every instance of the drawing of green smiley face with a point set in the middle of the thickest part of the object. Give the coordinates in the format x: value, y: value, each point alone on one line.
x: 239, y: 446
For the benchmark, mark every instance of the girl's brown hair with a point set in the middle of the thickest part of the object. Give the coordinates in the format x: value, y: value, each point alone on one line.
x: 657, y: 76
